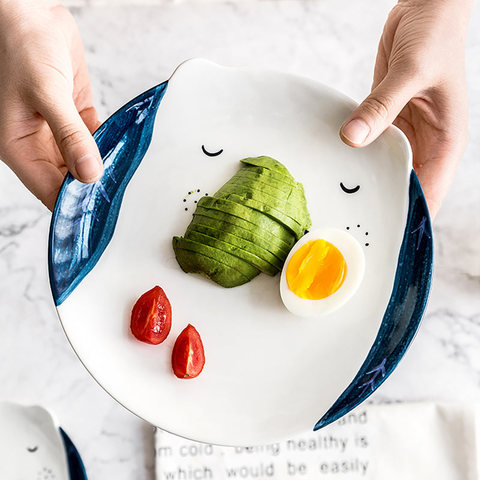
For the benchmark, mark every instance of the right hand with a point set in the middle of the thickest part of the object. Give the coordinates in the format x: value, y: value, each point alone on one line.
x: 419, y: 85
x: 47, y: 115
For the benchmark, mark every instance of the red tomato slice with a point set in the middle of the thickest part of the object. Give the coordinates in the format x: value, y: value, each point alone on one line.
x: 152, y: 317
x: 188, y: 356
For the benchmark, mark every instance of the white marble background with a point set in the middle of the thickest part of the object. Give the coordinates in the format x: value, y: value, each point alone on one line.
x: 131, y: 48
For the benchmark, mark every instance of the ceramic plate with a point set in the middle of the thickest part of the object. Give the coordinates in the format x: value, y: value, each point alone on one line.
x: 268, y: 373
x: 33, y: 446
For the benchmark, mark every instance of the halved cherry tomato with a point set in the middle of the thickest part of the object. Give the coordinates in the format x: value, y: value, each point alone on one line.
x: 188, y: 356
x: 152, y: 317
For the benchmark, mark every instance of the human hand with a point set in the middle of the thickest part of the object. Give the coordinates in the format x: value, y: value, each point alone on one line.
x: 46, y: 105
x: 419, y: 85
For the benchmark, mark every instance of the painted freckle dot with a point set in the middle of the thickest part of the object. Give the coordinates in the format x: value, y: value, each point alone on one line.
x: 358, y: 226
x: 184, y: 199
x: 195, y: 201
x: 348, y: 228
x: 198, y: 190
x: 366, y: 233
x: 367, y: 244
x: 186, y: 209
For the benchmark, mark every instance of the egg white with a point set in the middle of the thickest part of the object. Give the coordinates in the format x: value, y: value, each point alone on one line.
x: 355, y: 260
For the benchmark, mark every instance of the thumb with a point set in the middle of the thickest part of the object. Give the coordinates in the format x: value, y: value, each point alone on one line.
x: 74, y: 140
x: 378, y: 110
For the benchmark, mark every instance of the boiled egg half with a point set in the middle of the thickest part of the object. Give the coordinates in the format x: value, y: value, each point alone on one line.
x: 321, y: 273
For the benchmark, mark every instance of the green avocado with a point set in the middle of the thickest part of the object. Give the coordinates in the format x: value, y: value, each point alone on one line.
x: 268, y: 163
x: 233, y: 262
x: 297, y: 228
x: 258, y: 236
x: 193, y: 262
x: 294, y: 209
x: 253, y: 216
x: 267, y: 180
x: 237, y: 251
x: 248, y: 226
x: 277, y: 243
x: 217, y: 232
x: 271, y: 174
x: 292, y: 194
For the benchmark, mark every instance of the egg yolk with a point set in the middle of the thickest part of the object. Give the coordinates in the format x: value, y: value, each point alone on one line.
x: 316, y: 270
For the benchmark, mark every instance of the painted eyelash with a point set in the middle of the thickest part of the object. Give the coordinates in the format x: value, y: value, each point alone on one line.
x: 349, y: 190
x: 211, y: 154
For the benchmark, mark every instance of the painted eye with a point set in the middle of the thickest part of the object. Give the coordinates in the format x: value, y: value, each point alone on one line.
x: 32, y: 450
x: 211, y: 154
x: 349, y: 190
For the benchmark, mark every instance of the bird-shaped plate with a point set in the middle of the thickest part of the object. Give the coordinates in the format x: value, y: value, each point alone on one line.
x: 268, y: 374
x: 33, y: 446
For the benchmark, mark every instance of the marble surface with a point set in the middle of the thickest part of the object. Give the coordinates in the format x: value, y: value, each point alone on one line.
x: 130, y: 48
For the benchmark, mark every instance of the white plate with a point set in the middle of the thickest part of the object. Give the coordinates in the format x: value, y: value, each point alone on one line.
x: 268, y: 374
x: 33, y: 446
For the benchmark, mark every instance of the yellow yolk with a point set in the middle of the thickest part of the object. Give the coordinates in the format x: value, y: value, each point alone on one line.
x: 316, y: 270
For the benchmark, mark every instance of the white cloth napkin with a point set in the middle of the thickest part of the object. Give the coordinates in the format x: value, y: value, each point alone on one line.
x: 377, y: 442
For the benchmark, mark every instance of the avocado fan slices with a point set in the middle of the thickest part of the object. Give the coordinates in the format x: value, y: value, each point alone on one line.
x: 262, y: 238
x: 247, y: 227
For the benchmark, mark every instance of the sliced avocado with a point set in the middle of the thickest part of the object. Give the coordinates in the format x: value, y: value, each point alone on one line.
x: 248, y: 214
x: 245, y: 268
x: 228, y: 248
x: 272, y: 174
x: 247, y: 173
x: 280, y: 194
x: 269, y: 163
x: 273, y: 213
x: 240, y: 242
x: 257, y: 203
x: 194, y: 262
x: 248, y: 226
x: 283, y: 244
x: 254, y: 234
x: 294, y: 208
x: 296, y: 211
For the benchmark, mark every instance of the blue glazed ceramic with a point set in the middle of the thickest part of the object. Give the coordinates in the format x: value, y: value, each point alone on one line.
x: 85, y: 214
x: 76, y: 468
x: 404, y: 311
x: 109, y: 243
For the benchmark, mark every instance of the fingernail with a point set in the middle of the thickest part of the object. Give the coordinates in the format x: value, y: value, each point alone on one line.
x: 88, y: 168
x: 356, y: 131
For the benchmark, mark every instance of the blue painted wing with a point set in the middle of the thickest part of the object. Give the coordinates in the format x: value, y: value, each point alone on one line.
x: 76, y: 468
x: 404, y: 311
x: 85, y: 214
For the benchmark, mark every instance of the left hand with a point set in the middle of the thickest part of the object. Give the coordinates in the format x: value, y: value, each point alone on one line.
x: 46, y: 106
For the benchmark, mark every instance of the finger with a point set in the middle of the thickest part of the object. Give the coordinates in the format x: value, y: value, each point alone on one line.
x: 83, y: 95
x: 74, y: 140
x: 378, y: 110
x: 381, y: 65
x: 436, y: 176
x: 435, y: 160
x: 42, y: 178
x: 385, y: 47
x: 90, y: 119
